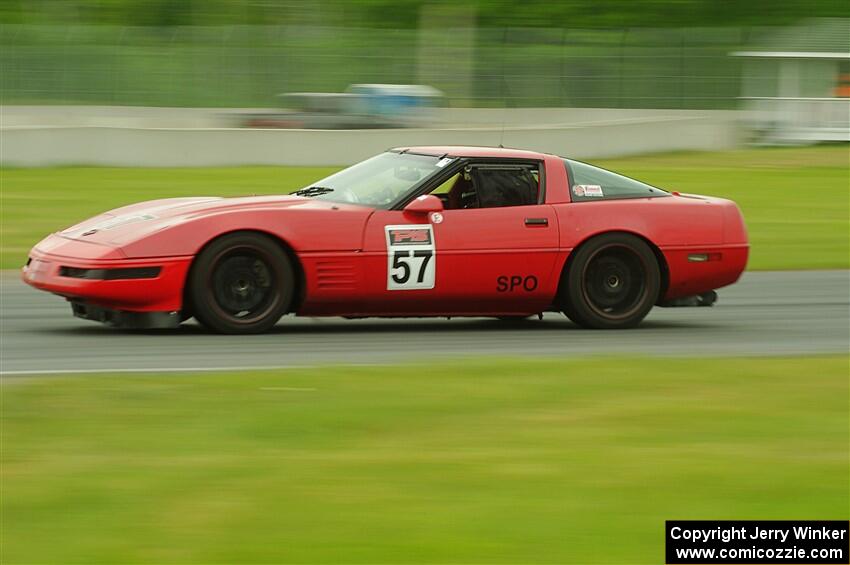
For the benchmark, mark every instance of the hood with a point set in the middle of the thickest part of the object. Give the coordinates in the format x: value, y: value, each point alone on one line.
x: 137, y: 220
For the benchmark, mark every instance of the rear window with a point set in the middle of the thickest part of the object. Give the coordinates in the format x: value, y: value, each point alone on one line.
x: 592, y: 183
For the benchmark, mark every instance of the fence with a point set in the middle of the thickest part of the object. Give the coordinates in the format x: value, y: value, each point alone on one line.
x: 246, y: 66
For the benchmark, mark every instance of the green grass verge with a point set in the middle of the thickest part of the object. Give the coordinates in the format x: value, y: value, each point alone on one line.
x: 511, y: 461
x: 795, y: 200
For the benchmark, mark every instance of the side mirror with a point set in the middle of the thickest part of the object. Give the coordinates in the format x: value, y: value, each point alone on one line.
x: 425, y: 204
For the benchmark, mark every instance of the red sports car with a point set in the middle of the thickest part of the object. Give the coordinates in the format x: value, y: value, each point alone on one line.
x: 416, y: 231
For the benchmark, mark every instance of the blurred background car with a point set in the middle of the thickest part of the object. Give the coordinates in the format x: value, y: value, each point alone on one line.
x: 361, y: 106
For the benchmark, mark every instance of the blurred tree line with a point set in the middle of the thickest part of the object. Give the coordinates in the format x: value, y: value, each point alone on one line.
x: 406, y: 13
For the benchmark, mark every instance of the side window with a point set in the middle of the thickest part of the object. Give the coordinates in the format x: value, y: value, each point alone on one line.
x: 500, y: 186
x: 491, y: 185
x: 592, y: 183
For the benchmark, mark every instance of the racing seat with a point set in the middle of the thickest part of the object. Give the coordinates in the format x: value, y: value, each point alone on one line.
x: 460, y: 187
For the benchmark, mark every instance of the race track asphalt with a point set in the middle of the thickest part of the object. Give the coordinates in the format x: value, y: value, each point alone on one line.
x: 778, y: 313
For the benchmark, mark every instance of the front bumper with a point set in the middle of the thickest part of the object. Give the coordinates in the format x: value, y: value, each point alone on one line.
x: 131, y: 285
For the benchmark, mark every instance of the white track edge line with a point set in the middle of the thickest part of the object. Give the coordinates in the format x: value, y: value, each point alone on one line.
x: 26, y: 372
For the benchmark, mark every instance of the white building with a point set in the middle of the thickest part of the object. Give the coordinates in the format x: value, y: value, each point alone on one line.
x: 796, y: 83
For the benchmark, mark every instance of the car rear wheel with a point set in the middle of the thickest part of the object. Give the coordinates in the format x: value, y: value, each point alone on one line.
x: 612, y: 282
x: 242, y: 283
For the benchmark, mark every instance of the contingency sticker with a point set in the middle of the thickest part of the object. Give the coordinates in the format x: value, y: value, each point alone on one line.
x: 587, y: 190
x: 411, y: 257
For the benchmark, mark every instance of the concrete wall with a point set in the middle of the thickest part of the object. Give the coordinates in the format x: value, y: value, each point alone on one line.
x: 35, y: 146
x: 440, y: 118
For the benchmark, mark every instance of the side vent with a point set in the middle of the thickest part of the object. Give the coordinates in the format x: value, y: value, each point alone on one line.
x: 335, y: 275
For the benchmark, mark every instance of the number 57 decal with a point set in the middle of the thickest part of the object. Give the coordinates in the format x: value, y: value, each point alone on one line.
x: 411, y: 264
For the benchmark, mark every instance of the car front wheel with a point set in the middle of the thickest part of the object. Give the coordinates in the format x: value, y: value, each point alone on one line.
x: 612, y: 282
x: 242, y: 283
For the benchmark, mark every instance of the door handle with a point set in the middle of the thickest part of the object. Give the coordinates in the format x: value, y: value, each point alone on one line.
x: 536, y: 222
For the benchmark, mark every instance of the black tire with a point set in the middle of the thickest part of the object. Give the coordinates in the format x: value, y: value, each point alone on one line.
x: 241, y: 283
x: 612, y: 282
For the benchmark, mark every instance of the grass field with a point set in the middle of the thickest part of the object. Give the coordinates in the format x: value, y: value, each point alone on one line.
x: 796, y: 201
x: 511, y: 461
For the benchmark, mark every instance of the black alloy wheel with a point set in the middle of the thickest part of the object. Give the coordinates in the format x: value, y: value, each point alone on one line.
x: 241, y: 283
x: 612, y: 282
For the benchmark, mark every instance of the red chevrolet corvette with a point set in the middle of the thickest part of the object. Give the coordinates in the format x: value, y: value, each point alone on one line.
x: 417, y: 231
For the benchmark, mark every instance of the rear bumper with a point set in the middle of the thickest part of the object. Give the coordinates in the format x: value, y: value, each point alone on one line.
x: 689, y: 275
x: 146, y: 285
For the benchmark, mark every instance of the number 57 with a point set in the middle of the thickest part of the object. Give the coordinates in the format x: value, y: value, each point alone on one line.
x: 402, y: 260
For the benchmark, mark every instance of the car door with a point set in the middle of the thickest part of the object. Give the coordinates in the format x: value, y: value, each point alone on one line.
x: 476, y: 260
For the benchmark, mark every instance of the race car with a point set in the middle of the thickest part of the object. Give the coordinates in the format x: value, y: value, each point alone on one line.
x: 411, y: 232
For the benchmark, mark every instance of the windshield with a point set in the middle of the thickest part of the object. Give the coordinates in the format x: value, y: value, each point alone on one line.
x: 378, y: 181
